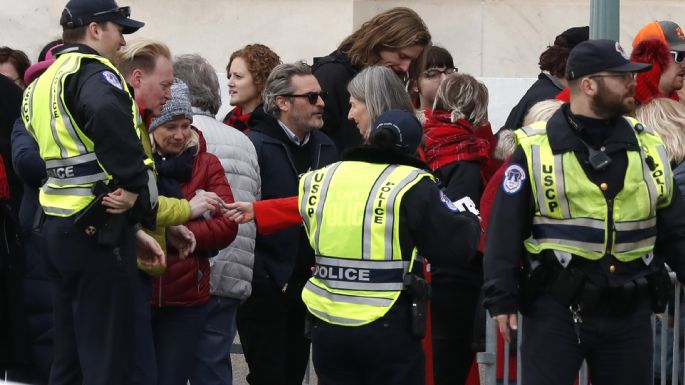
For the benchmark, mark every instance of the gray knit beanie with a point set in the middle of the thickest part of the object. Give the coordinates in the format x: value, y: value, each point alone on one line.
x: 178, y: 105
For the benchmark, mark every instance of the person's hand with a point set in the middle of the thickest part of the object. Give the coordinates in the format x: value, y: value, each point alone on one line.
x: 181, y: 239
x: 240, y: 212
x: 149, y: 251
x: 506, y: 322
x: 204, y: 201
x: 119, y: 201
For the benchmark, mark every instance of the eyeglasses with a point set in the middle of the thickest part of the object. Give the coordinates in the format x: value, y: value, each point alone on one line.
x: 678, y: 56
x: 123, y: 11
x: 433, y: 73
x: 626, y: 76
x: 312, y: 97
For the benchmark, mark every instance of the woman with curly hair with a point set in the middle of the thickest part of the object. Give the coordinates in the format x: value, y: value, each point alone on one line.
x: 397, y: 39
x: 247, y: 71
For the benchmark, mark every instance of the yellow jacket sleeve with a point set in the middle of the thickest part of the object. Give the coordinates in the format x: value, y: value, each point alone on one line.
x: 172, y: 211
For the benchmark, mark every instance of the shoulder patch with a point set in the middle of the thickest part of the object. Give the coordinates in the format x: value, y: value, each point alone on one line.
x: 112, y: 79
x: 513, y: 179
x: 462, y: 205
x: 447, y: 202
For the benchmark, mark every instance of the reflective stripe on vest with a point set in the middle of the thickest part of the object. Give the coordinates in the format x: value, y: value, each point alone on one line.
x: 351, y: 215
x: 71, y: 163
x: 354, y: 274
x: 571, y: 210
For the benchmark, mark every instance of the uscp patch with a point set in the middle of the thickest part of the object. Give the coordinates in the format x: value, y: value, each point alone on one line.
x: 513, y: 179
x: 112, y: 79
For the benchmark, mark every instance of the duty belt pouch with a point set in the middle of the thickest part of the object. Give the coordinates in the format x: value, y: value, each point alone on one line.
x: 419, y: 292
x: 419, y: 319
x: 660, y: 289
x: 532, y: 283
x: 567, y: 286
x: 38, y: 220
x: 95, y: 221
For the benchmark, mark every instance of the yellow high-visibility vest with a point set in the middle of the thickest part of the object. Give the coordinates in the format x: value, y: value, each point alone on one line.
x: 571, y: 212
x: 351, y: 213
x: 70, y: 160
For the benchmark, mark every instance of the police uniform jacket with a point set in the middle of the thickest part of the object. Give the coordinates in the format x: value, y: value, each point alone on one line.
x: 101, y: 108
x: 441, y: 233
x: 512, y: 214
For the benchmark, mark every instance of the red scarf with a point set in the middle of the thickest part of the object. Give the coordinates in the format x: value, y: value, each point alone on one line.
x: 236, y: 119
x: 447, y: 142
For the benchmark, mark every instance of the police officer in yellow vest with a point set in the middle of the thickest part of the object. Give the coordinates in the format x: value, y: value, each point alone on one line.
x: 587, y: 205
x: 84, y: 120
x: 366, y: 217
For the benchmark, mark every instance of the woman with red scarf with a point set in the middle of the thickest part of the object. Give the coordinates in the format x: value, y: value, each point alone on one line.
x: 458, y: 144
x: 247, y: 71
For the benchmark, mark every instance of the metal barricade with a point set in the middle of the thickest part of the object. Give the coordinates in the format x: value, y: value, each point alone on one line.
x: 668, y: 352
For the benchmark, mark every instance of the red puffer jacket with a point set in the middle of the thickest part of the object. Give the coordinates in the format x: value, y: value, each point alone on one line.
x: 186, y: 282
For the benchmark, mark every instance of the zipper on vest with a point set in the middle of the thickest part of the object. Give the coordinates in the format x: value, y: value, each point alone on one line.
x: 610, y: 226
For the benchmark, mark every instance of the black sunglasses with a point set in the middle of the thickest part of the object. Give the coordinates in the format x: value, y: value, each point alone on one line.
x: 312, y: 97
x: 123, y: 11
x: 678, y: 56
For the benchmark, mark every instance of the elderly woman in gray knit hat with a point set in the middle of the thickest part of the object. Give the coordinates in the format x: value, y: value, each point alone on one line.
x: 185, y: 169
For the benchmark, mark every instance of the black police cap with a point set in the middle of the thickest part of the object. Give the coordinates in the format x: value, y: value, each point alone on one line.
x: 592, y: 56
x: 79, y: 13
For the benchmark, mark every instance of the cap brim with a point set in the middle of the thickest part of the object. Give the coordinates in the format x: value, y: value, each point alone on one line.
x: 677, y: 47
x: 631, y: 67
x: 129, y: 25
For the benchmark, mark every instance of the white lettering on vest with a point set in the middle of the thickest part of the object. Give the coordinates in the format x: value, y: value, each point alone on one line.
x: 342, y: 273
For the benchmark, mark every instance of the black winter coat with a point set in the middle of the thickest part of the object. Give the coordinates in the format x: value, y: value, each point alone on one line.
x: 280, y: 164
x: 334, y: 72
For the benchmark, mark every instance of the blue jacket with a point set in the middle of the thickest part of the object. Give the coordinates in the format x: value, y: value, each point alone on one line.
x: 276, y: 254
x: 30, y: 169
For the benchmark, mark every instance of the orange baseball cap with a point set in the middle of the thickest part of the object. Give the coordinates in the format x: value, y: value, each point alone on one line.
x: 666, y: 31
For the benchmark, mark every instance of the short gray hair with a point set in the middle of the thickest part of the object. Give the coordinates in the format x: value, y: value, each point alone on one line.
x: 380, y: 90
x: 279, y: 83
x: 202, y: 81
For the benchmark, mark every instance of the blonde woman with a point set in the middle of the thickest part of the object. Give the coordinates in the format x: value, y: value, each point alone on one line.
x: 667, y: 117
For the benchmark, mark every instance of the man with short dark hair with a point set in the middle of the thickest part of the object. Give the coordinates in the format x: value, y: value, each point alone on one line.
x: 288, y: 142
x: 85, y: 120
x: 587, y: 204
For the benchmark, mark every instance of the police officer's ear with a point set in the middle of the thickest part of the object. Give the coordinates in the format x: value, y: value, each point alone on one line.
x: 94, y: 30
x: 588, y: 86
